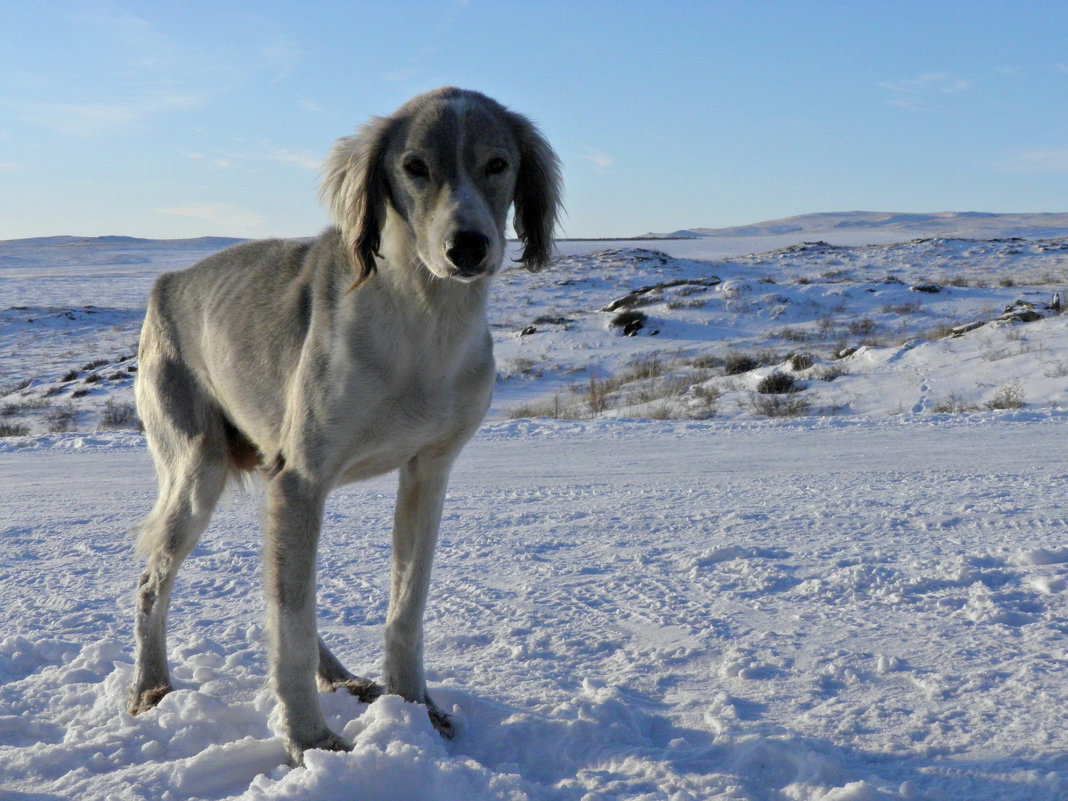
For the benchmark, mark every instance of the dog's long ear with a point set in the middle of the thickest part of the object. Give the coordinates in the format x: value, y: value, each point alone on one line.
x: 355, y: 190
x: 537, y: 194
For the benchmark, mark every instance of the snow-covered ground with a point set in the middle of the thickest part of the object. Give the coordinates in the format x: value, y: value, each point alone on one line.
x: 862, y: 597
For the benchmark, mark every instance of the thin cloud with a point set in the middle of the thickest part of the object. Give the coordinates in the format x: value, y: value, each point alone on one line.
x: 298, y: 158
x: 937, y: 82
x: 400, y: 75
x: 602, y: 160
x: 147, y: 74
x: 217, y: 161
x: 412, y: 68
x: 281, y: 55
x: 923, y: 91
x: 222, y: 215
x: 252, y: 161
x: 1038, y: 161
x: 91, y: 120
x: 312, y: 106
x: 82, y: 120
x: 134, y: 38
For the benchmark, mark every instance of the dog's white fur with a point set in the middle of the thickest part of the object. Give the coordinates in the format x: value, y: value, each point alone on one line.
x: 274, y: 356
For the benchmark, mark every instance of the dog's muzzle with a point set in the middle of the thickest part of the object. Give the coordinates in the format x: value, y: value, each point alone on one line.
x: 467, y: 251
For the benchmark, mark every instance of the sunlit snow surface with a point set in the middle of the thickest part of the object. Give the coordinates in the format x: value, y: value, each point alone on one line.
x: 866, y: 601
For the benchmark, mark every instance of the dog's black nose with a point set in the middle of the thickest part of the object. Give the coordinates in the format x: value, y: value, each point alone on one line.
x: 467, y: 250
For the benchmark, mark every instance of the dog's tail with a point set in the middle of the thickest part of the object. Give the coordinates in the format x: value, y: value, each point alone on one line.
x: 243, y: 455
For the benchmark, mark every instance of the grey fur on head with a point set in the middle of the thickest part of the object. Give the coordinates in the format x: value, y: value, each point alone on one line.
x: 356, y: 185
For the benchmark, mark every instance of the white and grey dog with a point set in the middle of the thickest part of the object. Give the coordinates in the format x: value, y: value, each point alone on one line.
x: 274, y: 356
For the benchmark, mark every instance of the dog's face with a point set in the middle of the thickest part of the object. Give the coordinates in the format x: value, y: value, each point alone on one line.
x: 449, y: 164
x: 452, y: 171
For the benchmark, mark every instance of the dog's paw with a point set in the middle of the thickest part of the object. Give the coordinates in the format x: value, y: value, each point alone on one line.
x: 144, y: 700
x: 365, y: 690
x: 440, y: 721
x: 328, y: 741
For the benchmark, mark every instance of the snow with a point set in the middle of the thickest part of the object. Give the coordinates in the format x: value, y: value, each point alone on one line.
x: 865, y: 600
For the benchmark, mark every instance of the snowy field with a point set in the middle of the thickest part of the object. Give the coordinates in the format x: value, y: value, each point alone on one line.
x: 657, y: 579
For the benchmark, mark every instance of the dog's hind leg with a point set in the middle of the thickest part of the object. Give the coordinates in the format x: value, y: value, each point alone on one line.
x: 186, y: 436
x: 332, y: 675
x: 179, y: 518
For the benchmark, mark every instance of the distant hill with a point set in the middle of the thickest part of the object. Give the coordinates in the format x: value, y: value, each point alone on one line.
x: 58, y: 253
x: 888, y: 226
x: 210, y: 242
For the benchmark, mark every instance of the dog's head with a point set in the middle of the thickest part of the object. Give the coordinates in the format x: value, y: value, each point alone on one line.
x: 449, y: 163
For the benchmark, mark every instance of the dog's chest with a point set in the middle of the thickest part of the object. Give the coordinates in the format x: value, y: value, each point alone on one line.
x: 394, y: 415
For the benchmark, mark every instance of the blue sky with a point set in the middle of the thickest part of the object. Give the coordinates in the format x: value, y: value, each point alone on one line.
x: 208, y: 117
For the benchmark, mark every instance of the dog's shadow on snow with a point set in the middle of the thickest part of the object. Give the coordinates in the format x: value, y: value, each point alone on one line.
x: 595, y: 726
x: 608, y: 731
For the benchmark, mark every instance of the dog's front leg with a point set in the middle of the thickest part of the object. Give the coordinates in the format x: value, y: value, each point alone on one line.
x: 415, y: 531
x: 294, y: 519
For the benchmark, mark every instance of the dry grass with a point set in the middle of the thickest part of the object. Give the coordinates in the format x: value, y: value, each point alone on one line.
x: 597, y: 392
x: 778, y: 405
x: 650, y: 378
x: 830, y: 372
x: 551, y: 409
x: 13, y: 430
x: 118, y: 415
x: 738, y: 363
x: 954, y: 404
x: 23, y: 405
x: 1007, y: 396
x: 779, y: 384
x: 61, y: 418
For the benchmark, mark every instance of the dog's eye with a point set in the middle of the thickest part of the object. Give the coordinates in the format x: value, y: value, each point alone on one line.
x: 416, y: 168
x: 496, y: 166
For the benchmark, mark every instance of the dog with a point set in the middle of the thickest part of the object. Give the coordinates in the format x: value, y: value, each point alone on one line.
x: 319, y: 363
